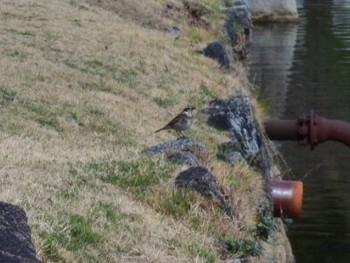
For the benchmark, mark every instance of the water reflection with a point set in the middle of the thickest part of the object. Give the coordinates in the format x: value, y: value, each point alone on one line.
x: 271, y: 56
x: 315, y: 73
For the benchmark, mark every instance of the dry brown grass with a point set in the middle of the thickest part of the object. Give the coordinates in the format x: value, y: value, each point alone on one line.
x: 84, y: 85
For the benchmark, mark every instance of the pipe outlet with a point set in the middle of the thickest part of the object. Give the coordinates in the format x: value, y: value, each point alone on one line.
x: 287, y: 197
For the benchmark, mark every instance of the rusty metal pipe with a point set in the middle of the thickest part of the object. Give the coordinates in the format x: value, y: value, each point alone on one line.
x: 287, y: 197
x: 310, y: 130
x: 333, y: 130
x: 282, y: 130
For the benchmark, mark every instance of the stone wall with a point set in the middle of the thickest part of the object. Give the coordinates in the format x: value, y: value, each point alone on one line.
x: 273, y: 10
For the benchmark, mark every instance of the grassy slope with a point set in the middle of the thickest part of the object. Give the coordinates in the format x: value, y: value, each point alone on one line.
x: 83, y: 86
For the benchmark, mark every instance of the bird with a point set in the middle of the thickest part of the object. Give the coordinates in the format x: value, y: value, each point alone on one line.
x: 181, y: 122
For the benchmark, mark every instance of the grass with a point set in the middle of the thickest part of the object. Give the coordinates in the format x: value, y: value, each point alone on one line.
x: 74, y: 235
x: 136, y: 176
x: 7, y: 95
x: 83, y: 87
x: 204, y: 254
x: 178, y: 205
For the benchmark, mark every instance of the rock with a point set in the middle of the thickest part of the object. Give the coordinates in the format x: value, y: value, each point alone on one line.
x: 238, y: 21
x: 217, y: 50
x: 242, y: 15
x: 15, y: 236
x: 187, y: 158
x: 199, y: 179
x: 234, y: 158
x: 181, y: 144
x: 229, y: 26
x: 238, y: 117
x: 176, y: 31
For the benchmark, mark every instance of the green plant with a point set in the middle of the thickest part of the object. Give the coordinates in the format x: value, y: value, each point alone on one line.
x: 164, y: 103
x: 74, y: 116
x: 22, y: 33
x: 51, y: 245
x: 127, y: 77
x: 226, y: 149
x: 206, y: 92
x: 77, y: 22
x: 203, y: 253
x: 73, y: 235
x: 196, y: 35
x: 243, y: 247
x: 69, y: 193
x: 177, y: 204
x: 50, y: 123
x: 7, y: 95
x: 34, y: 107
x: 110, y: 213
x: 265, y: 223
x: 81, y: 233
x: 137, y: 176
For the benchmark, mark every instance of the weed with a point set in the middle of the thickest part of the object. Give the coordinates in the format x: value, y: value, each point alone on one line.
x: 89, y: 86
x: 22, y: 33
x: 95, y: 64
x: 111, y: 214
x: 41, y: 78
x: 165, y: 103
x: 225, y: 150
x: 264, y: 104
x: 77, y: 234
x: 81, y: 233
x: 77, y: 22
x: 51, y: 245
x: 214, y: 6
x: 51, y: 37
x: 101, y: 85
x: 127, y: 77
x: 34, y: 107
x: 195, y: 221
x: 69, y: 193
x: 17, y: 54
x: 177, y: 204
x: 15, y: 128
x: 102, y: 125
x: 198, y: 35
x: 233, y: 181
x: 51, y: 123
x: 265, y: 224
x: 164, y: 82
x: 7, y: 95
x: 137, y: 176
x: 227, y: 3
x: 206, y: 92
x: 203, y: 253
x: 96, y: 112
x: 243, y: 247
x: 74, y: 116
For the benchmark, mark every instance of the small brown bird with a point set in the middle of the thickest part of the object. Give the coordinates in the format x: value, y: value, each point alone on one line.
x: 181, y: 122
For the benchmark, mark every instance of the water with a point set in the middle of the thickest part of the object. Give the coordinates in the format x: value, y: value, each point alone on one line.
x: 302, y: 67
